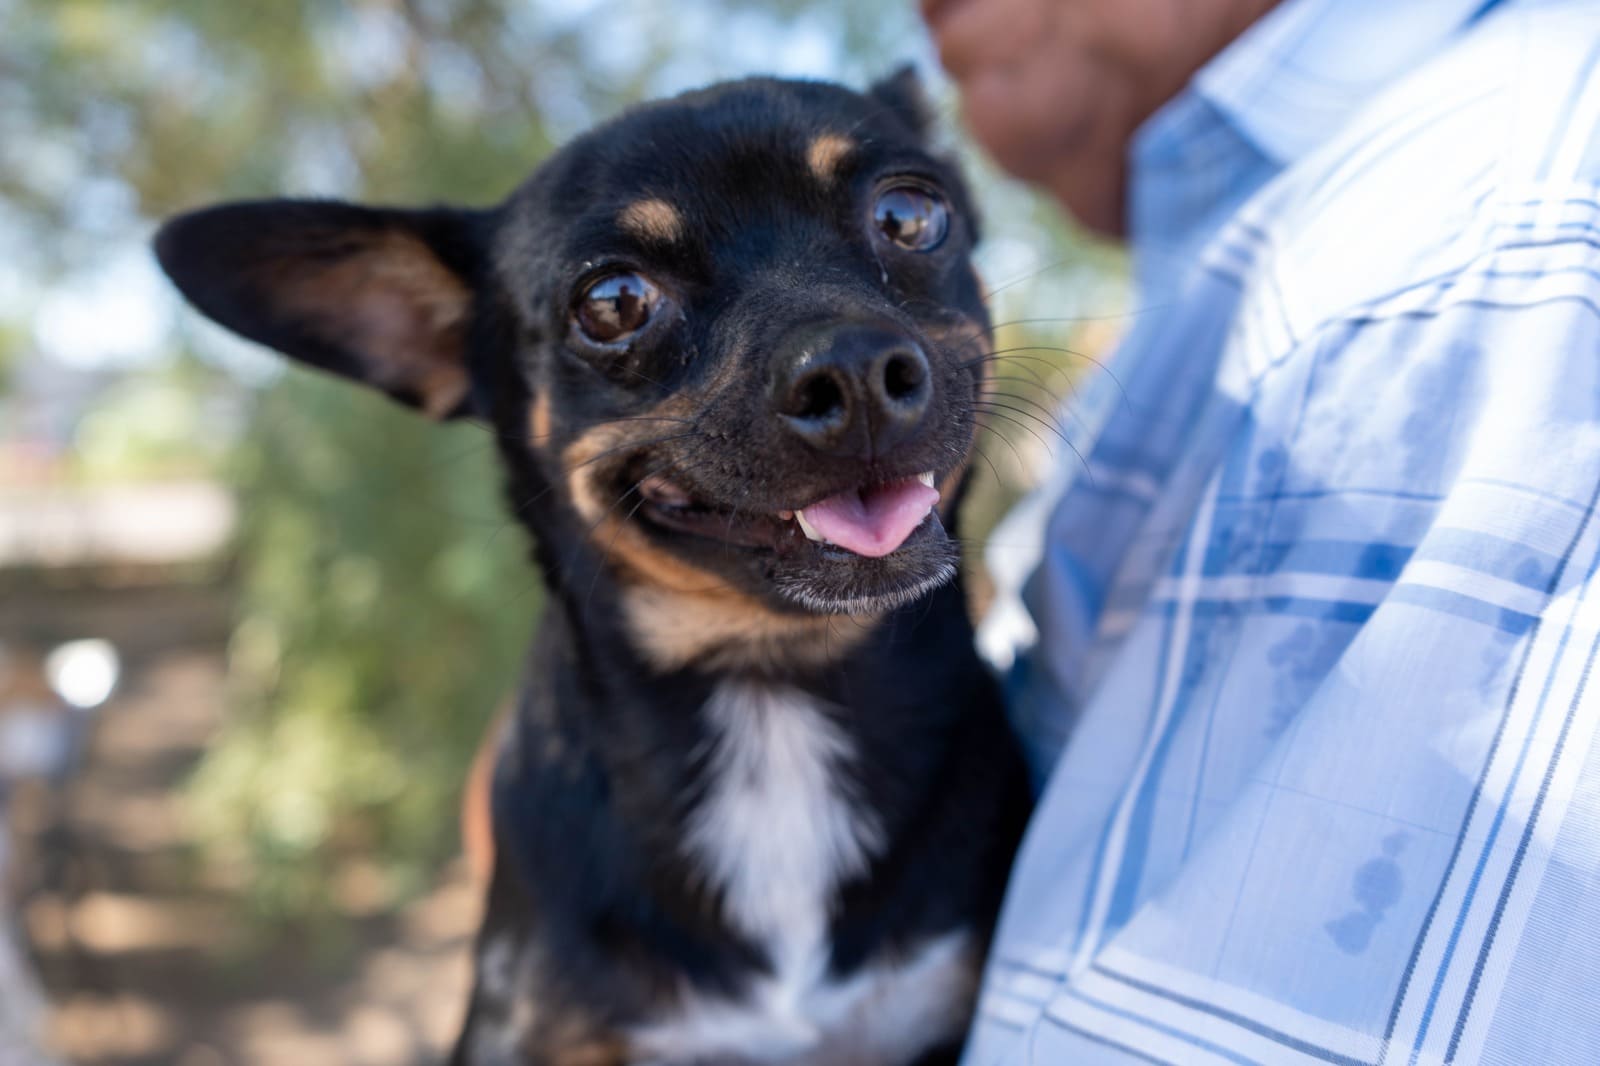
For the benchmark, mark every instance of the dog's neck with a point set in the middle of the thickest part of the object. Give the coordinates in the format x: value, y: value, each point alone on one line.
x: 594, y: 694
x: 877, y: 676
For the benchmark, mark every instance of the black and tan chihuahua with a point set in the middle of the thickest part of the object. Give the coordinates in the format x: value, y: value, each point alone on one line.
x: 758, y: 798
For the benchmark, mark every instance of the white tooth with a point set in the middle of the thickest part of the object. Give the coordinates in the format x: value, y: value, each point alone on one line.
x: 926, y: 478
x: 806, y: 528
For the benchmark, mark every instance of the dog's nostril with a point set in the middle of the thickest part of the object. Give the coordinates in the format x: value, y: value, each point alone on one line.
x: 855, y: 392
x: 903, y: 376
x: 818, y: 397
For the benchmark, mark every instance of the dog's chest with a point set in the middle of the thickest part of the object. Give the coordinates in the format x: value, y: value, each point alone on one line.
x: 777, y: 831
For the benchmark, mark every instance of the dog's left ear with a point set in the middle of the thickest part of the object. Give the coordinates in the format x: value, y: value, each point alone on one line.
x: 383, y: 296
x: 902, y: 94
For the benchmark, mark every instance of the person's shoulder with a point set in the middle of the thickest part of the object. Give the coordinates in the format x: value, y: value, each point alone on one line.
x: 1514, y: 98
x: 1487, y: 152
x: 1533, y: 69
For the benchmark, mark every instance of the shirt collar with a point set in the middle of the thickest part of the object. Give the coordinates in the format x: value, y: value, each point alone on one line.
x: 1293, y: 78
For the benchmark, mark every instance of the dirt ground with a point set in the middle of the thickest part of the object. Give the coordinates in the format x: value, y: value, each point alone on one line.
x: 141, y: 958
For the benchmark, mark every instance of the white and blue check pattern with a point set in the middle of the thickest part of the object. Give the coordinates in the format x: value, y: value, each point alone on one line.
x: 1312, y: 673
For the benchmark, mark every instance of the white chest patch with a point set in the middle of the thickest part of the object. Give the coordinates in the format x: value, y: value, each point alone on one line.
x: 777, y: 832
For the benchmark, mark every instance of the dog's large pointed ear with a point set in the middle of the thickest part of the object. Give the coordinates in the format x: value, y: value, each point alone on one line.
x: 379, y: 295
x: 902, y: 94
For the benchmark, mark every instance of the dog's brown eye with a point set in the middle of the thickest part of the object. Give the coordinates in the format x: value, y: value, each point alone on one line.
x: 911, y: 217
x: 615, y: 306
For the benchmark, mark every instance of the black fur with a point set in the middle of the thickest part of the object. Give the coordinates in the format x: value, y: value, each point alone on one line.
x: 768, y: 255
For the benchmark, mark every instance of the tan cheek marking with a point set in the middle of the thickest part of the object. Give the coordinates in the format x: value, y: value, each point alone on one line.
x: 539, y: 419
x: 825, y: 153
x: 621, y: 540
x: 576, y: 460
x: 580, y: 457
x: 678, y: 613
x: 719, y: 633
x: 641, y: 562
x: 652, y: 220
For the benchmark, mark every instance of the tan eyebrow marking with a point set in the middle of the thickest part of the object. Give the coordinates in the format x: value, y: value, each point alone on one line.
x: 826, y: 152
x: 653, y: 219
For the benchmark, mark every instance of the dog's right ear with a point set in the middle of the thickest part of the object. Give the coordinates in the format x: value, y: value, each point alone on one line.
x: 382, y: 296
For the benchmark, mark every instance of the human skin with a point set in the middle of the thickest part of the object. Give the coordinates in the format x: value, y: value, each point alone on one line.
x: 1055, y: 89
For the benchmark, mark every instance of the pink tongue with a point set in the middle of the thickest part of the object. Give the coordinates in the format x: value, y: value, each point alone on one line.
x: 875, y: 521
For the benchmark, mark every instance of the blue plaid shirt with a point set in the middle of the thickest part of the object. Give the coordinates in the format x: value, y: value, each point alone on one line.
x: 1309, y: 661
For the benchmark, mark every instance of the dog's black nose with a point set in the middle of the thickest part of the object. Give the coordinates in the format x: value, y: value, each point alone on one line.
x: 856, y: 391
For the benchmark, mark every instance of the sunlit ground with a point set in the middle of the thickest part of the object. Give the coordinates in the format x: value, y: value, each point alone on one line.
x: 147, y: 963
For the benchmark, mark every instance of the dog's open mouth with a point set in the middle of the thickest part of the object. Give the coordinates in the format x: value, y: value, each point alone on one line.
x: 871, y: 521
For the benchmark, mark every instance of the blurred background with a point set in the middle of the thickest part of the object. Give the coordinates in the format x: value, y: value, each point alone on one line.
x: 239, y: 689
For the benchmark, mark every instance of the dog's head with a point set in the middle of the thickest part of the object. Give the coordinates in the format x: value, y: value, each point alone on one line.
x: 729, y: 342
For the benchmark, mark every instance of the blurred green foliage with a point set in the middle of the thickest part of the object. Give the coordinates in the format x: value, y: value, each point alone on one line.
x: 384, y: 603
x: 180, y: 422
x: 10, y: 350
x: 383, y: 596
